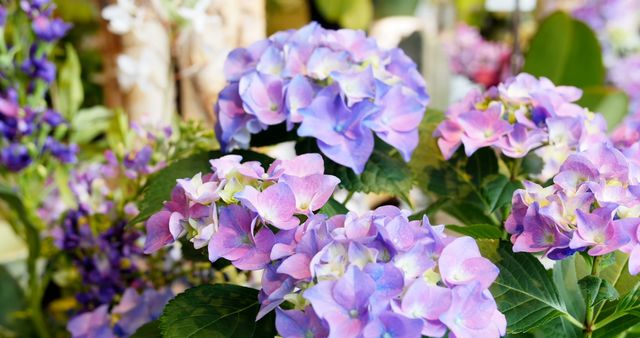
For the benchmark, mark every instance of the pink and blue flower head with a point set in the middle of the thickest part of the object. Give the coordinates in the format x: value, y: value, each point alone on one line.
x: 338, y: 86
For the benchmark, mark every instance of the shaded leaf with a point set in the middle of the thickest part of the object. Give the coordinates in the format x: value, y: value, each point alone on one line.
x: 219, y: 310
x: 332, y: 208
x: 88, y: 123
x: 525, y: 293
x: 148, y: 330
x: 562, y: 49
x: 477, y: 231
x: 468, y: 212
x: 596, y: 290
x: 68, y: 93
x: 498, y: 191
x: 12, y: 301
x: 483, y: 163
x: 385, y: 171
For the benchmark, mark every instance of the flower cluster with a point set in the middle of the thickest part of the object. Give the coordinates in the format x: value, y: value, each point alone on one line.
x: 25, y: 120
x: 371, y: 275
x: 105, y: 261
x: 482, y: 61
x: 593, y: 205
x: 380, y: 275
x: 337, y: 85
x: 523, y: 114
x: 274, y: 197
x: 133, y: 311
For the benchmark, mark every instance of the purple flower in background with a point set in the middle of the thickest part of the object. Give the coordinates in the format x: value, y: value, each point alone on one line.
x: 471, y: 55
x: 94, y: 324
x: 15, y: 157
x: 39, y: 67
x: 49, y: 29
x: 329, y: 82
x: 3, y: 16
x: 136, y: 309
x: 64, y: 153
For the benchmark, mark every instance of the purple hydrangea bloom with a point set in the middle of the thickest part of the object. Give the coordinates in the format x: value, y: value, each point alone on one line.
x: 370, y: 275
x: 332, y: 83
x: 591, y: 206
x: 522, y: 115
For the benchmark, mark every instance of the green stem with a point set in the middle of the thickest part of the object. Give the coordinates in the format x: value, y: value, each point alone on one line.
x: 515, y: 169
x: 348, y: 198
x: 589, y: 318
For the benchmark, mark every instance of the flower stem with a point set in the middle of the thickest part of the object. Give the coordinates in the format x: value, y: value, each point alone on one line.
x: 589, y: 318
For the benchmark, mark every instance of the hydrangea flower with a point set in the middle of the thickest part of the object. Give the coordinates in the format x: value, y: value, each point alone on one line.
x: 338, y: 86
x: 377, y: 274
x: 593, y: 205
x: 525, y: 114
x: 472, y: 56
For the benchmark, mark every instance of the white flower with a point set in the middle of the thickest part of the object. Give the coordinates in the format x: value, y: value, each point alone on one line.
x: 198, y: 16
x: 134, y: 71
x: 123, y: 16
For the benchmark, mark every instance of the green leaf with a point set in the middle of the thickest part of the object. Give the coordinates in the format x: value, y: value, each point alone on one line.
x: 88, y: 123
x: 597, y: 290
x: 468, y: 212
x: 332, y: 208
x: 477, y: 231
x: 566, y: 51
x: 566, y: 280
x: 148, y: 330
x: 159, y: 186
x: 611, y: 102
x: 427, y: 155
x: 481, y: 164
x: 68, y: 93
x: 32, y: 233
x: 385, y: 172
x: 525, y: 293
x: 12, y: 301
x: 384, y: 8
x: 329, y: 9
x: 498, y: 191
x: 618, y: 317
x: 219, y: 310
x: 356, y: 14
